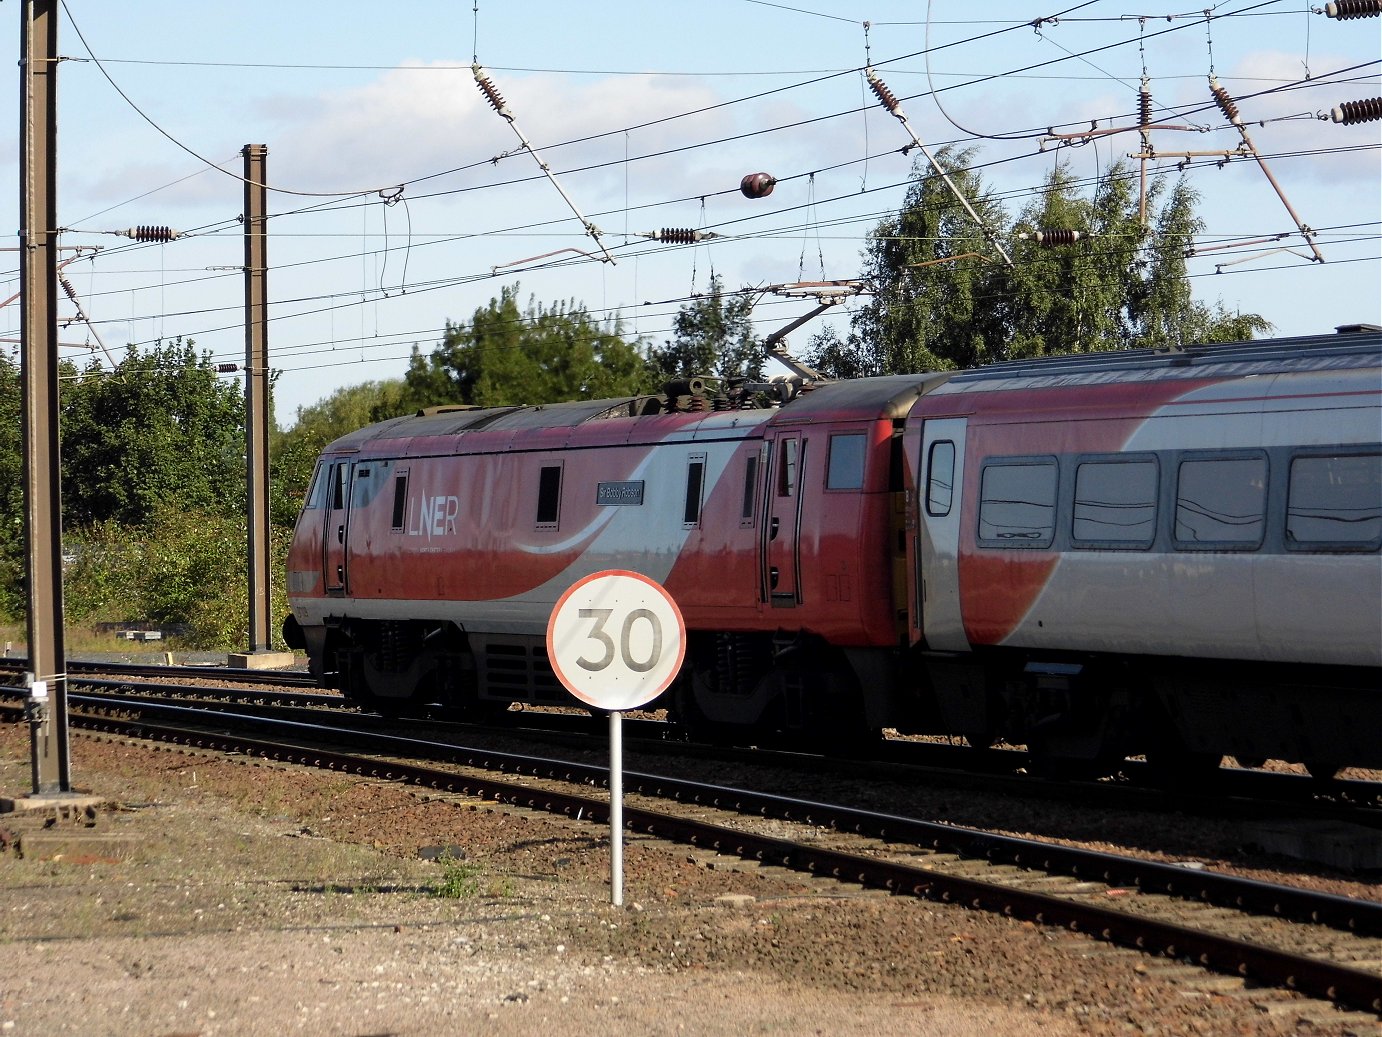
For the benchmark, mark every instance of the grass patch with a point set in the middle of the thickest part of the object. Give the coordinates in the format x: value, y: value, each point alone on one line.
x: 460, y: 880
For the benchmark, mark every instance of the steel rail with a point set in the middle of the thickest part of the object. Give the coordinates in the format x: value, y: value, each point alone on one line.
x: 1347, y: 914
x: 1327, y: 980
x: 289, y: 678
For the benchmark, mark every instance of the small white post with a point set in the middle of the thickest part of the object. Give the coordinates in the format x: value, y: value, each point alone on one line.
x: 616, y: 809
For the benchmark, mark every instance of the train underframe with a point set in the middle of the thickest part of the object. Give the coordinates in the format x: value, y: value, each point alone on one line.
x: 1183, y: 715
x: 734, y: 687
x: 1071, y: 711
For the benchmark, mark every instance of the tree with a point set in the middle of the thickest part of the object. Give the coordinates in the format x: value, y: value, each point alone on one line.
x: 11, y: 494
x: 160, y: 429
x: 711, y: 335
x: 540, y: 355
x: 934, y: 279
x: 942, y: 299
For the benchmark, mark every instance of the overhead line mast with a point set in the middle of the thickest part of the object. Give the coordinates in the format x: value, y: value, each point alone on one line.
x: 46, y: 705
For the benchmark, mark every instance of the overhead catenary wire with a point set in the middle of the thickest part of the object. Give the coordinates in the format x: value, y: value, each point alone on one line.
x: 821, y: 202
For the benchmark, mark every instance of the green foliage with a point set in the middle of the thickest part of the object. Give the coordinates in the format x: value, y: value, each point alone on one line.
x: 181, y: 569
x: 932, y: 305
x: 539, y: 355
x: 712, y: 335
x: 11, y: 494
x: 161, y: 428
x: 459, y: 880
x: 943, y: 299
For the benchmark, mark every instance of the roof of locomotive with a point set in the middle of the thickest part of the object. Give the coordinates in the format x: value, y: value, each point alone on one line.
x: 868, y: 398
x: 452, y: 420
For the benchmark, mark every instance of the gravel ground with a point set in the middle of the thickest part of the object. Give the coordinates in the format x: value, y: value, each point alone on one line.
x: 257, y: 899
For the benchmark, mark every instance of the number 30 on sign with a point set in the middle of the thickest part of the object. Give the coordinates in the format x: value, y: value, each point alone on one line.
x: 616, y: 640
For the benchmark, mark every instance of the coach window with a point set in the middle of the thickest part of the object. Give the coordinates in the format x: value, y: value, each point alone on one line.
x: 1335, y: 502
x: 1115, y: 503
x: 940, y: 478
x: 1017, y: 503
x: 549, y: 497
x: 846, y: 467
x: 400, y: 499
x: 695, y: 480
x: 1221, y: 502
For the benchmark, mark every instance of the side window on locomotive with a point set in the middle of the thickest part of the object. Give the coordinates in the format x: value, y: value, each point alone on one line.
x: 940, y: 478
x: 1335, y: 502
x: 1221, y: 502
x: 845, y: 470
x: 750, y: 491
x: 1017, y: 503
x: 695, y: 480
x: 549, y: 497
x: 400, y: 499
x: 1115, y: 502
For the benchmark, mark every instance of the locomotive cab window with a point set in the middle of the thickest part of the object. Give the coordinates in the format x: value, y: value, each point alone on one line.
x: 845, y: 470
x: 940, y: 478
x: 1334, y: 502
x: 695, y: 480
x: 1221, y: 502
x: 549, y: 497
x: 1017, y: 503
x: 316, y: 493
x: 1115, y: 502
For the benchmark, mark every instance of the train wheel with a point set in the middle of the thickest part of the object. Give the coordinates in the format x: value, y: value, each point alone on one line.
x: 1180, y: 769
x: 696, y: 726
x: 1323, y: 770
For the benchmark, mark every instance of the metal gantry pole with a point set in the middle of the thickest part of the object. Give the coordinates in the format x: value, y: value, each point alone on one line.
x: 257, y: 394
x: 47, y: 703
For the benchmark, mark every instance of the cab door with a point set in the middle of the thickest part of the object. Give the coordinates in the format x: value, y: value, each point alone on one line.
x: 336, y: 519
x: 940, y: 489
x: 781, y: 552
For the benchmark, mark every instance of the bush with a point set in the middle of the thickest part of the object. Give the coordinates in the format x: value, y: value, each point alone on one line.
x: 184, y: 570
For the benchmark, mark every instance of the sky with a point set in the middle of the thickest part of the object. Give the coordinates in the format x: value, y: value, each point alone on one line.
x: 401, y: 200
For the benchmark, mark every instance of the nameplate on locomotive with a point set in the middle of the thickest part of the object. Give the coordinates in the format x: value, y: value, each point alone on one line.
x: 619, y: 492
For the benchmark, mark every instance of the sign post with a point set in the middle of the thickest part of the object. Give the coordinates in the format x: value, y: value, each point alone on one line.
x: 616, y: 641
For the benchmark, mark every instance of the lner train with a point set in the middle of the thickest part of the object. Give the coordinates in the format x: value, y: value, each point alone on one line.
x: 1176, y: 554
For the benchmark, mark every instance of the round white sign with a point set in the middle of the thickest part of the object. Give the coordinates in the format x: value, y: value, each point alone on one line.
x: 616, y: 639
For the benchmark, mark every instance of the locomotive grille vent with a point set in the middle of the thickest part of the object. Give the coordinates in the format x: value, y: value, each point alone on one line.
x: 518, y: 670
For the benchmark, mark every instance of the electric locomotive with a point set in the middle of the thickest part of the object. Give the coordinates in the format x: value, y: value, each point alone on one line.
x: 1174, y: 553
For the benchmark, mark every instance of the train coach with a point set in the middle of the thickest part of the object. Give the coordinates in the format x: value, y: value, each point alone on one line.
x: 1176, y: 554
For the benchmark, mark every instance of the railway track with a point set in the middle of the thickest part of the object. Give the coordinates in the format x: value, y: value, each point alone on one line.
x: 1325, y: 947
x: 1235, y: 794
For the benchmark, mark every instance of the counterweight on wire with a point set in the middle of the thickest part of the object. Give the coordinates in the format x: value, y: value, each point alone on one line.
x: 889, y: 101
x: 496, y: 100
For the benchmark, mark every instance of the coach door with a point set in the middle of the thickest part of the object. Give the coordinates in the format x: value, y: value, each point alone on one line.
x: 337, y: 518
x: 781, y: 550
x: 941, y: 485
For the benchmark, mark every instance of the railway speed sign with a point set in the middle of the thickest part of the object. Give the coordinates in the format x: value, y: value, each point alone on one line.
x: 616, y: 639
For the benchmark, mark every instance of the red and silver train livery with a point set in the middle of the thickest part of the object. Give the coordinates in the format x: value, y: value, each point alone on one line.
x: 1176, y: 554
